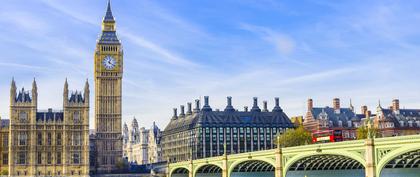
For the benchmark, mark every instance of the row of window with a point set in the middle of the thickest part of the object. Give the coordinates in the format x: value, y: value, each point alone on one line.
x: 76, y: 139
x: 210, y: 141
x: 23, y: 159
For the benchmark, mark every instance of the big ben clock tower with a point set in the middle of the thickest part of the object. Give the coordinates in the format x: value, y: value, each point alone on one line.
x: 108, y: 86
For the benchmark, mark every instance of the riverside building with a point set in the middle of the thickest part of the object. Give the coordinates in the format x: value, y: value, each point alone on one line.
x: 204, y: 132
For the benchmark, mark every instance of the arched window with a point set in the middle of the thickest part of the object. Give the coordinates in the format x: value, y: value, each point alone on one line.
x: 76, y: 117
x: 23, y: 116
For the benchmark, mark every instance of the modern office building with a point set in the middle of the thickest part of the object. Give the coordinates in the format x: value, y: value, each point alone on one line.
x: 204, y: 132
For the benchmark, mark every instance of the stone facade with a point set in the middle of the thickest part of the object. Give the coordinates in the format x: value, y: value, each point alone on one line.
x: 108, y: 62
x: 47, y: 143
x: 141, y: 146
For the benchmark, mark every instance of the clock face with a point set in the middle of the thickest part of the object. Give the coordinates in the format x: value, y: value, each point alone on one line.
x: 109, y: 62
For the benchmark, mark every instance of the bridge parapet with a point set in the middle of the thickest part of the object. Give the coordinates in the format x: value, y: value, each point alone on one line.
x: 371, y: 155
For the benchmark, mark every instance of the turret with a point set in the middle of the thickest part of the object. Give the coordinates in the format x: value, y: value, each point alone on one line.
x: 255, y: 107
x: 34, y: 92
x: 65, y: 93
x: 86, y: 92
x: 12, y: 92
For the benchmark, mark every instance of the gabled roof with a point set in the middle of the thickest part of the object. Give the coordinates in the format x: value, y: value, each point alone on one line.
x: 344, y: 115
x: 402, y: 115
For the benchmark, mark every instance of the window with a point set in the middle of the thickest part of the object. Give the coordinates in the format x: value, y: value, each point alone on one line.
x: 59, y: 158
x: 5, y: 158
x: 59, y: 139
x: 21, y: 158
x: 112, y: 160
x: 5, y: 140
x: 76, y: 117
x: 23, y: 116
x: 76, y: 158
x: 40, y: 138
x: 76, y: 139
x: 49, y: 139
x: 49, y: 158
x: 39, y: 158
x: 22, y: 139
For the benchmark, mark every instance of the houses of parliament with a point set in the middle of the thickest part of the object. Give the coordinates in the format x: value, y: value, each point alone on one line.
x: 57, y: 142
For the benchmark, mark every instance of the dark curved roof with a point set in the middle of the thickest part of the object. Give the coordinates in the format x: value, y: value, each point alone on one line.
x: 228, y: 119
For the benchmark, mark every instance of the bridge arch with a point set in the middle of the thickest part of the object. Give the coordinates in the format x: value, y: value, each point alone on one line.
x: 263, y: 161
x: 346, y: 157
x: 179, y: 170
x: 394, y: 154
x: 208, y: 167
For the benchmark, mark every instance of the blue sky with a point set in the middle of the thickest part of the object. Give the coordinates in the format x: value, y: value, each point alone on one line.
x: 178, y: 51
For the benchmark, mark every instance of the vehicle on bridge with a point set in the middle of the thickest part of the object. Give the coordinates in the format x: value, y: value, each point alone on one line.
x: 326, y: 136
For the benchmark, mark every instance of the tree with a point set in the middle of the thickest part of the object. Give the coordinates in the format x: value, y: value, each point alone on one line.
x: 362, y: 132
x: 4, y: 172
x: 295, y: 137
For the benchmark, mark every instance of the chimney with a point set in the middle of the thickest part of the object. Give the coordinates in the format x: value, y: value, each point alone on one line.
x: 310, y: 104
x: 182, y: 114
x: 189, y: 109
x: 368, y: 114
x: 265, y: 106
x: 336, y: 103
x: 395, y: 105
x: 255, y: 106
x: 206, y: 106
x: 229, y: 106
x: 197, y: 106
x: 175, y: 114
x: 277, y: 105
x: 245, y: 108
x: 364, y: 109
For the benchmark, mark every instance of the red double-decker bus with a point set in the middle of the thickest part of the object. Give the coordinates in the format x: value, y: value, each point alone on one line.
x: 326, y: 136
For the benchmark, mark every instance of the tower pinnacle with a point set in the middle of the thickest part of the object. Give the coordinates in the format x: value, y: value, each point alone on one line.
x: 108, y: 16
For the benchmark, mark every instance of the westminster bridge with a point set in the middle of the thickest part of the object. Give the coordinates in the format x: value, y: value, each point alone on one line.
x: 380, y: 157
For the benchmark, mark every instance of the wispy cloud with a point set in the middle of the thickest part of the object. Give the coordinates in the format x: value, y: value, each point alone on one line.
x: 282, y: 42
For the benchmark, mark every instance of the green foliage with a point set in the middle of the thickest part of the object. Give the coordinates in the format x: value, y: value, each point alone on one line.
x: 362, y: 132
x: 4, y: 172
x: 295, y: 137
x: 121, y: 165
